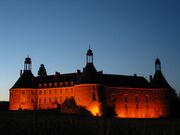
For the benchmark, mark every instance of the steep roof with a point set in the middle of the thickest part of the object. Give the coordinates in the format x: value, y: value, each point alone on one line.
x: 159, y: 81
x: 26, y: 80
x: 124, y: 81
x: 57, y: 78
x: 89, y: 75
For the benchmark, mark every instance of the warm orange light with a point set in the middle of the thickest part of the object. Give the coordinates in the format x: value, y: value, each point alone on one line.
x: 95, y: 110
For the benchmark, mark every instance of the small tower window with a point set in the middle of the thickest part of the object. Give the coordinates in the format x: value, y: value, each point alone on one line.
x: 93, y: 96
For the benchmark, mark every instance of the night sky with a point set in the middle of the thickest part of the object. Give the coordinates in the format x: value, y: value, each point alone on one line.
x: 126, y: 37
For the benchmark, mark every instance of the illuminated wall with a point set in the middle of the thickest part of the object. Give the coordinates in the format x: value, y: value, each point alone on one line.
x: 22, y: 99
x: 49, y: 98
x: 86, y: 95
x: 140, y: 102
x: 128, y: 102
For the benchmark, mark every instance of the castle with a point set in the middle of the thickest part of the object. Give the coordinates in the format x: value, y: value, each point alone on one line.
x: 130, y: 96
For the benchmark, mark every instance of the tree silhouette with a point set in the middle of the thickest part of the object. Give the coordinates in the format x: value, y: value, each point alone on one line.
x: 42, y: 71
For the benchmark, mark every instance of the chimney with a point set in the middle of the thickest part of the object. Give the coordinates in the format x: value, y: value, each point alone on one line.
x: 150, y: 78
x: 78, y: 73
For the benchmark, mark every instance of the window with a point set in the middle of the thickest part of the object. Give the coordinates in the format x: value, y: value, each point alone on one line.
x: 40, y: 100
x: 137, y: 106
x: 72, y: 83
x: 32, y: 92
x: 39, y: 92
x: 60, y: 99
x: 50, y: 84
x: 61, y: 84
x: 136, y: 99
x: 125, y: 99
x: 32, y: 100
x: 40, y: 85
x: 66, y: 83
x: 44, y: 99
x: 147, y: 99
x: 93, y: 96
x: 147, y: 106
x: 71, y: 90
x: 60, y: 91
x: 66, y: 90
x: 125, y: 106
x: 44, y: 91
x: 50, y: 100
x: 55, y: 84
x: 23, y: 92
x: 49, y: 91
x: 45, y: 85
x: 55, y: 99
x: 55, y: 91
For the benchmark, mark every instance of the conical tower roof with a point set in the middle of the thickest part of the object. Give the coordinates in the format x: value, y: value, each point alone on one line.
x: 89, y: 75
x: 159, y: 81
x: 26, y: 80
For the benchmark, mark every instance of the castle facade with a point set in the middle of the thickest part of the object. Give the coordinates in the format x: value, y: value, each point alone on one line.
x: 130, y: 96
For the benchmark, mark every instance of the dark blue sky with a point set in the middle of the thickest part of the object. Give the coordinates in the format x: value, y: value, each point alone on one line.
x: 125, y: 35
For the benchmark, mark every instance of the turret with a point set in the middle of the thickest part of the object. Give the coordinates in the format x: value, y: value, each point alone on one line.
x: 27, y: 64
x: 89, y: 56
x: 157, y: 65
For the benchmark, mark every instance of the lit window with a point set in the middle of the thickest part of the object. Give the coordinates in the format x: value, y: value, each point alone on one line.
x: 40, y: 85
x: 61, y: 84
x: 72, y: 83
x: 45, y: 85
x: 66, y: 83
x: 50, y: 84
x: 55, y: 84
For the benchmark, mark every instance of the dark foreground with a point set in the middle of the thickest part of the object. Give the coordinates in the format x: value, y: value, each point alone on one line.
x: 52, y: 123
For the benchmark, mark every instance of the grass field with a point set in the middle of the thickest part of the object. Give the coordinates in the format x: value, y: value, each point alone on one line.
x: 53, y: 123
